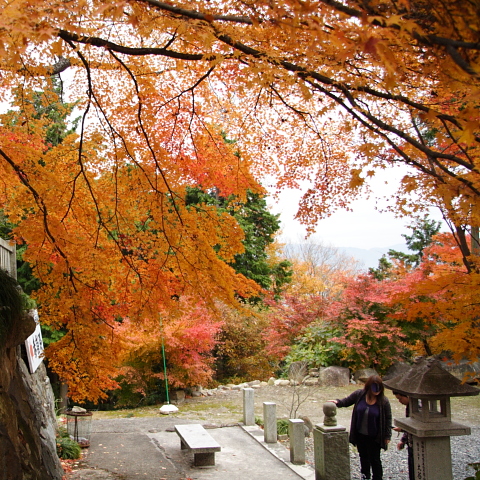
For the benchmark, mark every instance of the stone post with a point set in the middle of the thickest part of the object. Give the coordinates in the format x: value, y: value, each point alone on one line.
x: 432, y: 458
x: 332, y: 455
x: 270, y: 422
x: 248, y: 407
x: 296, y: 432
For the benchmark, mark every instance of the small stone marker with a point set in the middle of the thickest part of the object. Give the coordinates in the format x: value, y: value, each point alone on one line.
x: 330, y: 411
x: 270, y: 422
x: 332, y: 456
x: 296, y: 431
x: 248, y: 407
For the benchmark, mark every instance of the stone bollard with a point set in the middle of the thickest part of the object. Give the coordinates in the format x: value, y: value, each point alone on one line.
x: 296, y: 432
x: 270, y: 422
x: 248, y: 407
x: 332, y: 456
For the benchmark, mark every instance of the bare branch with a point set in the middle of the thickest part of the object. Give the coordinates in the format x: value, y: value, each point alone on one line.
x: 195, y: 15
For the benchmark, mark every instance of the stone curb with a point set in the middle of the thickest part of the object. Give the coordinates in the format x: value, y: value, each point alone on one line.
x: 278, y: 450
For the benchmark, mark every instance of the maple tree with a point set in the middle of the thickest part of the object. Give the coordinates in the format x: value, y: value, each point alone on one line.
x: 289, y: 317
x: 102, y: 254
x: 437, y: 301
x: 188, y: 335
x: 225, y: 344
x: 384, y: 70
x: 296, y: 330
x: 369, y: 333
x: 364, y: 86
x: 258, y: 260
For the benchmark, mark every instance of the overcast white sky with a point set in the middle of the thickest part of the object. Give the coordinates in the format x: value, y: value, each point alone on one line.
x: 364, y: 227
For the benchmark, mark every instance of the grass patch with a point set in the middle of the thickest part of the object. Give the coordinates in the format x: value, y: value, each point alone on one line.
x: 282, y: 426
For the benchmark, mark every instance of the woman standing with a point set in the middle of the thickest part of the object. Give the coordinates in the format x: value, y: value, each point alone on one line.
x: 371, y: 425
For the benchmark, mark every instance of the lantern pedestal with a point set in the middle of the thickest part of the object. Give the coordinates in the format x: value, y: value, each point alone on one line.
x: 429, y: 388
x: 431, y: 447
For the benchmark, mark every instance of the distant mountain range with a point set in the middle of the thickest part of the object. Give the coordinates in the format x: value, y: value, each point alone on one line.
x: 370, y: 257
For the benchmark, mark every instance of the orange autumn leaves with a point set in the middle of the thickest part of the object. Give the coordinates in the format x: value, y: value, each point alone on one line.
x: 362, y: 87
x: 441, y: 297
x: 111, y: 240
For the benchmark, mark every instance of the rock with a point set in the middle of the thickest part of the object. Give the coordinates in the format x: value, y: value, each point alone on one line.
x: 463, y: 370
x: 77, y: 409
x: 282, y: 383
x: 363, y: 374
x: 271, y: 381
x: 27, y: 422
x: 177, y: 396
x: 398, y: 368
x: 254, y: 382
x: 334, y: 377
x: 311, y: 381
x: 314, y: 372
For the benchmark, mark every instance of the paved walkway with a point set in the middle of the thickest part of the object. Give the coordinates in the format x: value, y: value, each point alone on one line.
x: 148, y: 448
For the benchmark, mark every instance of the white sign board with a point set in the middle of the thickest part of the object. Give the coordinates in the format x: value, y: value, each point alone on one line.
x: 34, y: 345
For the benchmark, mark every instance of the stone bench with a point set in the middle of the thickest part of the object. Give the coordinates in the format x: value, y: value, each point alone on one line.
x: 198, y: 440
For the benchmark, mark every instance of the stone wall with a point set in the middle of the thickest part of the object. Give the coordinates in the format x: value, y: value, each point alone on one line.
x: 27, y: 415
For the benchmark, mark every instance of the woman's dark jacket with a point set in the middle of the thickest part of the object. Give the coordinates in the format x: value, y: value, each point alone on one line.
x: 385, y: 430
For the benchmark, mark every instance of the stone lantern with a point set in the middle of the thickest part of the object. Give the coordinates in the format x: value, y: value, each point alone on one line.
x: 430, y: 387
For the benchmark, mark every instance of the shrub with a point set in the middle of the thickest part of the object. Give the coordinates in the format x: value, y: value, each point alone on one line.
x: 67, y: 448
x: 241, y: 349
x: 315, y: 347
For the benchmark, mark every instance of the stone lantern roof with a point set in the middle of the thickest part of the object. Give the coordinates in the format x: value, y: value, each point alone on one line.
x: 428, y: 379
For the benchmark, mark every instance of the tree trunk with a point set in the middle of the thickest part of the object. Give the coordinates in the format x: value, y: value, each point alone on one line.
x: 427, y: 348
x: 463, y: 244
x: 475, y: 245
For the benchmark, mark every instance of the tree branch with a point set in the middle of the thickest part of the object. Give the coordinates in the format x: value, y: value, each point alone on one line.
x: 141, y: 51
x: 195, y: 15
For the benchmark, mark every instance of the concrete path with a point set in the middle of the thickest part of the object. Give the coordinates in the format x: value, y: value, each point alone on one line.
x: 148, y: 448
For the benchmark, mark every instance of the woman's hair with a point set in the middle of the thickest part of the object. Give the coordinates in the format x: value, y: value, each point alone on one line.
x: 374, y: 379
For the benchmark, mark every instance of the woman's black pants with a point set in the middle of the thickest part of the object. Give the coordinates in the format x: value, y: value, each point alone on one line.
x: 370, y: 462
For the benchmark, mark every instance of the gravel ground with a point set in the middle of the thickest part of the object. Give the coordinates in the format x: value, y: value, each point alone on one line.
x: 465, y: 450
